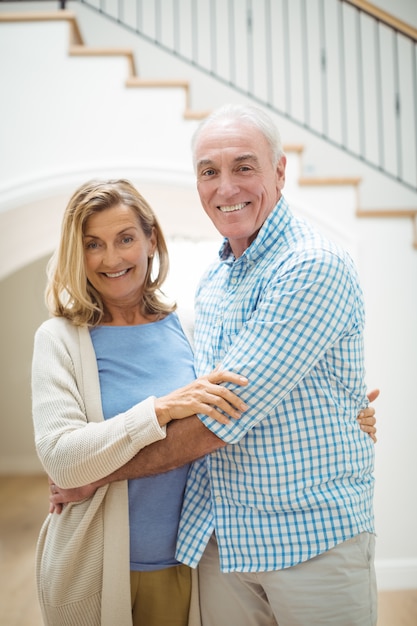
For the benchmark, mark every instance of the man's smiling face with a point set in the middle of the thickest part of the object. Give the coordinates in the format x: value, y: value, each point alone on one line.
x: 237, y: 181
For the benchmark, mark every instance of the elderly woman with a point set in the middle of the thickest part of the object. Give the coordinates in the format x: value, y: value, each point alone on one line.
x: 110, y: 369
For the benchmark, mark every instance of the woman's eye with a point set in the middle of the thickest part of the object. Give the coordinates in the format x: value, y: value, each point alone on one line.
x: 91, y: 245
x: 127, y: 239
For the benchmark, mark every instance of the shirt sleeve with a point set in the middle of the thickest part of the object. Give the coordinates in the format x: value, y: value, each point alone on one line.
x: 74, y: 448
x: 306, y: 307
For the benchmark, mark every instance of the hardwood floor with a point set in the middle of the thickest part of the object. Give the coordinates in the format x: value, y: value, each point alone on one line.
x: 23, y: 507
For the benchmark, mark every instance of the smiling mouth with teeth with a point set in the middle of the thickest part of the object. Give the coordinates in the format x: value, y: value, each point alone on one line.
x: 116, y: 274
x: 233, y: 207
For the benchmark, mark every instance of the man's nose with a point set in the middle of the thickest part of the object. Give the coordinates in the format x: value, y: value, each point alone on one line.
x: 227, y: 186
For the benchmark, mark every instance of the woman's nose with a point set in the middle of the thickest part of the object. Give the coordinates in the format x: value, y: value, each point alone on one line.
x: 111, y: 257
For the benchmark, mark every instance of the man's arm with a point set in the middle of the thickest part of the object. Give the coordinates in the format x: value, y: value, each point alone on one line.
x: 186, y: 441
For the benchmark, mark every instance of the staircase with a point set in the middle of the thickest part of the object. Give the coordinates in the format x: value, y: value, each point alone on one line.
x: 167, y: 139
x: 156, y: 145
x: 75, y: 111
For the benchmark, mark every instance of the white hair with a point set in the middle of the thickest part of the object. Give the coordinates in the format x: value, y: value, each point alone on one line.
x: 248, y: 115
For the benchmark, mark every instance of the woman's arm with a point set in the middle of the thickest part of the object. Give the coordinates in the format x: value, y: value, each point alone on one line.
x: 75, y: 444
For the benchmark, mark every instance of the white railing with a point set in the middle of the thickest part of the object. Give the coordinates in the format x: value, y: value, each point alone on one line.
x: 343, y: 70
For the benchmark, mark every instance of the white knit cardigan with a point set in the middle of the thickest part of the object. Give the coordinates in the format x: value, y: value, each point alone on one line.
x: 82, y: 557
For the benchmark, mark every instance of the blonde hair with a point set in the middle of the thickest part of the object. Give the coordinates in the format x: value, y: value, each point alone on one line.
x: 69, y: 294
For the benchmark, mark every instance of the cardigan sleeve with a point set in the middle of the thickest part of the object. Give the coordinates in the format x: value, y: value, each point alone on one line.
x: 74, y: 443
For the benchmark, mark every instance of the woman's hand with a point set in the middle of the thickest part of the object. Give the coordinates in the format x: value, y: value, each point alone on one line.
x: 366, y: 417
x: 204, y: 395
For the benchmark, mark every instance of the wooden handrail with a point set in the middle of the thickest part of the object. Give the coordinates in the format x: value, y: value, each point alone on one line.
x: 386, y: 18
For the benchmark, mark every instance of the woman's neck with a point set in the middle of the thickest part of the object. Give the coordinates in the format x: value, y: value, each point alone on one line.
x: 123, y: 316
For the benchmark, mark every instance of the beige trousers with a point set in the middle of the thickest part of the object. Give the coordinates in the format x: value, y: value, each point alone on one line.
x: 337, y: 588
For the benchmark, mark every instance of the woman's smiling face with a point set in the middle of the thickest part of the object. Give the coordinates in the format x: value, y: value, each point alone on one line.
x: 116, y: 253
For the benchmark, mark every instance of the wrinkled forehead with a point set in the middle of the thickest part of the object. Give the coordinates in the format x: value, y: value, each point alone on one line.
x: 233, y: 139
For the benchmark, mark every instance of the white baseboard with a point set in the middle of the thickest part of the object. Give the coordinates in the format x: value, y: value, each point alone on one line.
x: 393, y: 574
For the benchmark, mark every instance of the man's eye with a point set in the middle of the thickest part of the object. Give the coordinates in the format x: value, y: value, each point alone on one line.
x: 208, y: 173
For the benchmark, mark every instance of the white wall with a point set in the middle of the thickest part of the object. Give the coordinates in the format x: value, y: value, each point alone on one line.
x: 55, y: 134
x: 405, y: 10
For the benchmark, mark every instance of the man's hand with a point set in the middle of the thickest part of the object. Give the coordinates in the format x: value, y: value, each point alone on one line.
x: 59, y: 497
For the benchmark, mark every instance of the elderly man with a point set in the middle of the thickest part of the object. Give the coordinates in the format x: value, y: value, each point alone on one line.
x: 288, y: 505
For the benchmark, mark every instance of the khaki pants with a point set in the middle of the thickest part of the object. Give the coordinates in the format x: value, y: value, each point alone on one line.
x: 337, y: 588
x: 161, y: 597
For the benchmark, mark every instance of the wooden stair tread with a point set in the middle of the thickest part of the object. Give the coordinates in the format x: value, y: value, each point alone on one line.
x: 47, y: 16
x: 94, y: 51
x: 136, y: 81
x: 407, y: 213
x: 337, y: 180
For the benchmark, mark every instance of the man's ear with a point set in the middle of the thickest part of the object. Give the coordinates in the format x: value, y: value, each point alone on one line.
x: 281, y: 165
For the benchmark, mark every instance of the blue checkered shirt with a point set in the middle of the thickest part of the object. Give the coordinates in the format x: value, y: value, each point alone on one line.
x: 296, y: 478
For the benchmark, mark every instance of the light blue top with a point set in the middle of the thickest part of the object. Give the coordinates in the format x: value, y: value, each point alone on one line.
x: 136, y: 362
x: 297, y: 477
